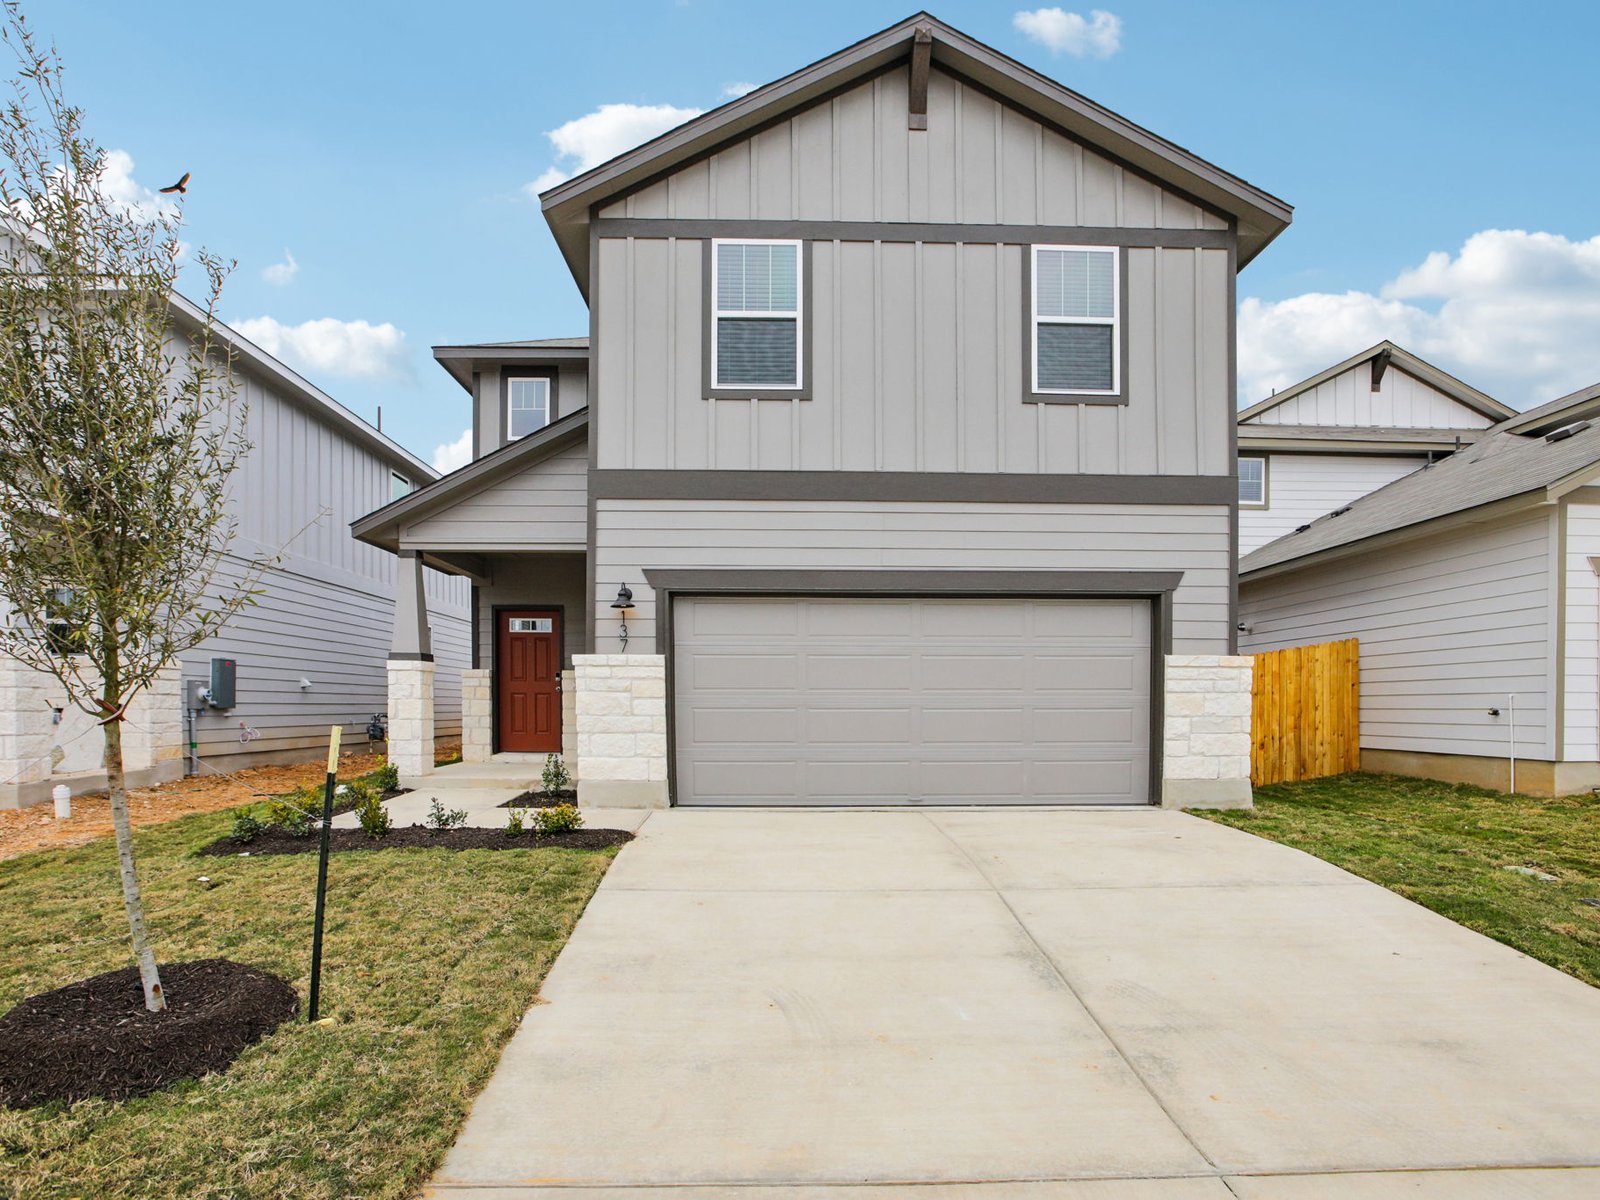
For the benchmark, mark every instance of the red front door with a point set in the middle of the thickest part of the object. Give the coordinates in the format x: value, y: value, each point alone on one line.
x: 528, y: 674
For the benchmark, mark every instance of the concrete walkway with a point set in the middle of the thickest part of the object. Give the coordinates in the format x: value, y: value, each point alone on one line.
x: 1093, y: 1005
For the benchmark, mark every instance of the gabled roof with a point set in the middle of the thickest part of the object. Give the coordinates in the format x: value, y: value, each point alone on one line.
x: 190, y: 317
x: 381, y: 527
x: 460, y: 360
x: 1499, y: 467
x: 1398, y: 356
x: 1260, y: 216
x: 1581, y: 405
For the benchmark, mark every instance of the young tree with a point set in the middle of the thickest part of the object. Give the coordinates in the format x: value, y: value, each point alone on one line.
x: 118, y: 434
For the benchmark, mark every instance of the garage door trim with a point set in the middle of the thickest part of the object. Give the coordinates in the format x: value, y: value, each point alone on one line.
x: 1156, y: 587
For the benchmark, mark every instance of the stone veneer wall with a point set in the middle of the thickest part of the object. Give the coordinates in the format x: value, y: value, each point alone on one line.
x: 569, y: 723
x: 1206, y: 757
x: 477, y: 715
x: 411, y: 718
x: 621, y: 723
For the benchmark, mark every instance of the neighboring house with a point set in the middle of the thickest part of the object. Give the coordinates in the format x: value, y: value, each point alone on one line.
x: 1347, y: 431
x: 898, y: 466
x: 1472, y: 586
x: 308, y: 654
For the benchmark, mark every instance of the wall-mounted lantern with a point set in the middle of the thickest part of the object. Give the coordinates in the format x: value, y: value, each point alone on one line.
x: 624, y: 605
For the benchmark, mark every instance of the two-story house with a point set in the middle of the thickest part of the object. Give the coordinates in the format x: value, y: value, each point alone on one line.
x: 897, y: 466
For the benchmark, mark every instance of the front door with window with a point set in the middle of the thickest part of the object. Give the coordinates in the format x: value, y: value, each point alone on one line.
x: 528, y: 679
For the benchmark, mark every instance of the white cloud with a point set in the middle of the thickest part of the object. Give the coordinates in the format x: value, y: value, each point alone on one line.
x: 127, y: 193
x: 732, y: 91
x: 451, y: 456
x: 1098, y: 36
x: 1516, y: 314
x: 282, y: 274
x: 608, y: 131
x: 354, y: 349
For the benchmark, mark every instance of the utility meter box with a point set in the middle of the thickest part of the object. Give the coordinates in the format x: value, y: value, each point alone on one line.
x: 224, y: 673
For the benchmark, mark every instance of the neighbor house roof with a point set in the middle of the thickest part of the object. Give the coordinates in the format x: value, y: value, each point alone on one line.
x: 461, y: 361
x: 381, y: 527
x: 1500, y: 467
x: 1581, y: 405
x: 1259, y: 216
x: 190, y: 317
x: 1395, y: 356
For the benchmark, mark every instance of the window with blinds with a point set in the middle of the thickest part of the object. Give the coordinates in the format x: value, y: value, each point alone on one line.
x: 1075, y: 316
x: 756, y: 293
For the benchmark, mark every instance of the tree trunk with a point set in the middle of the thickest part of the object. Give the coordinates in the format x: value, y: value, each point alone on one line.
x: 154, y: 998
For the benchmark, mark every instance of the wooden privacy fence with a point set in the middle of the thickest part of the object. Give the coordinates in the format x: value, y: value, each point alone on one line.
x: 1305, y: 712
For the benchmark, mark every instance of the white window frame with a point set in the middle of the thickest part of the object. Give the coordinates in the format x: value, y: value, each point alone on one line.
x: 1114, y: 321
x: 717, y: 314
x: 549, y: 403
x: 1262, y: 459
x: 399, y: 486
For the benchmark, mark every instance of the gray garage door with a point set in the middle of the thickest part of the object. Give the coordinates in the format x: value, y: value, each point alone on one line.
x: 890, y: 701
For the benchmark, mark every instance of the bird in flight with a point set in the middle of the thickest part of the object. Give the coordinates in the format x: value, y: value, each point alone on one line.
x: 181, y: 187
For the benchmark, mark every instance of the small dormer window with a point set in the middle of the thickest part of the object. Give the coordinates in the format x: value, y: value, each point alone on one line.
x: 527, y: 405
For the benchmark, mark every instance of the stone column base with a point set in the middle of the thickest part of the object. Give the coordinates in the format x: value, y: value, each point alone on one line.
x: 411, y: 719
x: 1206, y: 753
x: 621, y: 711
x: 569, y: 723
x: 477, y: 715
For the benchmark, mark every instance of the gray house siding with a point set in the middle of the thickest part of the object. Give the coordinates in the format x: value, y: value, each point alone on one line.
x: 535, y: 581
x: 633, y: 536
x: 1450, y: 626
x: 543, y: 507
x: 489, y: 399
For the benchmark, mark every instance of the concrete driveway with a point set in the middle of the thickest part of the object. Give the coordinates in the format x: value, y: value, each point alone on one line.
x: 1028, y: 1004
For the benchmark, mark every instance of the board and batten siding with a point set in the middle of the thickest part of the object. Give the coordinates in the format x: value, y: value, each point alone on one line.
x: 1449, y: 625
x: 1581, y: 613
x: 543, y: 507
x: 634, y: 536
x: 1303, y: 487
x: 852, y: 158
x: 1401, y: 402
x: 916, y: 363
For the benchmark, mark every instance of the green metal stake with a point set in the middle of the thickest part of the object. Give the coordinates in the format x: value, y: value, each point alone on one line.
x: 322, y: 874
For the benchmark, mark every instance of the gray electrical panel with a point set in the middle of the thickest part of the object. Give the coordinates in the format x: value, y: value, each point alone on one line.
x: 223, y: 679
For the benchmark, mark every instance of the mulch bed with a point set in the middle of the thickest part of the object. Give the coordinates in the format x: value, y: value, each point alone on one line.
x: 95, y: 1037
x: 542, y: 799
x: 414, y: 837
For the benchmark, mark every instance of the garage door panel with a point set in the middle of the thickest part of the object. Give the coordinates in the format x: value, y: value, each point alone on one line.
x: 870, y: 702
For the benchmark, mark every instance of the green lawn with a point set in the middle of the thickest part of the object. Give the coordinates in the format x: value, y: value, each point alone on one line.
x: 431, y: 958
x: 1443, y: 846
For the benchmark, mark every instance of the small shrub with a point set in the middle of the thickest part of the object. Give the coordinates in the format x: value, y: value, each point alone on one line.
x: 246, y: 826
x: 374, y: 817
x: 556, y: 778
x: 386, y: 778
x: 291, y: 813
x: 441, y: 818
x: 355, y: 793
x: 562, y: 818
x: 516, y: 823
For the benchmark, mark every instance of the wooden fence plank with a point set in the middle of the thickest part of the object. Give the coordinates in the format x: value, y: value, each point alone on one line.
x: 1305, y: 712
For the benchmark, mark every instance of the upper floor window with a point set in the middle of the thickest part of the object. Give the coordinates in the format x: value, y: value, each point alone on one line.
x: 399, y: 485
x: 1253, y: 481
x: 1076, y: 314
x: 756, y: 289
x: 527, y: 405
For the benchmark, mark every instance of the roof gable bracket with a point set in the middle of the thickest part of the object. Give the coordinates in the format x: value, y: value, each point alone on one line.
x: 921, y: 60
x: 1380, y: 364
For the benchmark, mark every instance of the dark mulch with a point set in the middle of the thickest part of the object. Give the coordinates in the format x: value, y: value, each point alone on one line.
x: 343, y: 804
x: 413, y: 837
x: 95, y: 1037
x: 542, y: 799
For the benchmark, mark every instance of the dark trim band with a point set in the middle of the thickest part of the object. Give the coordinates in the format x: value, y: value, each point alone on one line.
x: 910, y: 231
x: 410, y: 658
x: 929, y: 486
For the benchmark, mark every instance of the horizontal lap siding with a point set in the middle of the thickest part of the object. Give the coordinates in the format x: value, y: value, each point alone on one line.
x: 634, y: 536
x: 1449, y: 626
x: 1582, y: 615
x: 545, y: 505
x: 1401, y: 402
x: 1303, y: 487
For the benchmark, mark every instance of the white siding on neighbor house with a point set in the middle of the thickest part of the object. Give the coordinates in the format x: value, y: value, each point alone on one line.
x: 1303, y: 487
x: 916, y: 363
x: 1401, y: 402
x: 635, y: 536
x: 1581, y: 723
x: 852, y: 158
x: 1449, y: 625
x: 542, y: 507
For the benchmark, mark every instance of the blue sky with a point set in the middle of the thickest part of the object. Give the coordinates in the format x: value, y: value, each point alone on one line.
x: 389, y: 156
